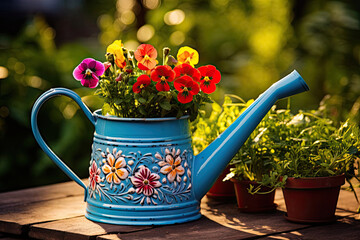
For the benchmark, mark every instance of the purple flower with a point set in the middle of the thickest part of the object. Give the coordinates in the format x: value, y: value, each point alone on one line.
x: 88, y: 72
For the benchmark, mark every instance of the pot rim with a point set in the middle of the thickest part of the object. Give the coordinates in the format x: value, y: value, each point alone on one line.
x: 315, y: 182
x: 234, y: 180
x: 97, y: 113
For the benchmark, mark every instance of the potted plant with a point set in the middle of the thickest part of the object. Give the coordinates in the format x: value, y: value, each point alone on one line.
x: 207, y: 128
x: 315, y: 158
x: 254, y: 171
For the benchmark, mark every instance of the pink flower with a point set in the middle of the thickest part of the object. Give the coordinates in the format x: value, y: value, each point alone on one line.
x: 145, y: 181
x: 94, y: 173
x: 88, y: 72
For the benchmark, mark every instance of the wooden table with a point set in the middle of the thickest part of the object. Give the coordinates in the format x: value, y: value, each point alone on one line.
x: 57, y: 212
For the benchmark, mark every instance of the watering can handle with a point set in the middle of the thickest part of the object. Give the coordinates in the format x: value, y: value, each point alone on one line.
x: 34, y: 113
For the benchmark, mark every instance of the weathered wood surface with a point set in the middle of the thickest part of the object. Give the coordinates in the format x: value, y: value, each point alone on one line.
x: 57, y: 212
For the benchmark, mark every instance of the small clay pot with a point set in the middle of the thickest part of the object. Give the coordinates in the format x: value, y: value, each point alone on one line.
x: 312, y: 200
x: 222, y: 189
x: 253, y: 203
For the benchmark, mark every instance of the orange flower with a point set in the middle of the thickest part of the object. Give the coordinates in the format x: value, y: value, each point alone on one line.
x: 146, y: 56
x: 115, y: 170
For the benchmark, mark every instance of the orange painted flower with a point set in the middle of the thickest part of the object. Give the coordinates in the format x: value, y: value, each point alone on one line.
x: 172, y: 166
x: 188, y: 55
x: 116, y: 49
x: 210, y: 76
x: 114, y: 169
x: 146, y: 56
x: 162, y: 75
x: 187, y: 88
x: 142, y: 82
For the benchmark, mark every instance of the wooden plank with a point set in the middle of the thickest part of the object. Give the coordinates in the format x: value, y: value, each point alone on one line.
x: 347, y: 201
x: 203, y: 228
x: 15, y: 220
x: 43, y: 193
x: 78, y: 228
x: 253, y: 223
x: 346, y: 228
x: 220, y: 221
x: 109, y: 237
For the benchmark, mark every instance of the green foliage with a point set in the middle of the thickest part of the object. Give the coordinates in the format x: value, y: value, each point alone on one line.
x: 315, y: 147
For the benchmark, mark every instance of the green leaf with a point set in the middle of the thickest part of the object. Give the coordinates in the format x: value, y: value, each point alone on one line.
x: 165, y: 105
x: 142, y: 100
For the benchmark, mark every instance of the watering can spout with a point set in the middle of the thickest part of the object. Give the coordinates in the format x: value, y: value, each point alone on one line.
x: 212, y: 161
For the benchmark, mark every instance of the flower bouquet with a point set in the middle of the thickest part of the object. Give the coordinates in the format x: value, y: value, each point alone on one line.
x: 134, y: 85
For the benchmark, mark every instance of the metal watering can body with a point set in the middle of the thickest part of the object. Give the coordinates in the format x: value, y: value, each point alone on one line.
x: 143, y: 171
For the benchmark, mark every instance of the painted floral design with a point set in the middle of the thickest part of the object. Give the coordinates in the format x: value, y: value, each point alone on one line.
x: 171, y: 165
x: 145, y: 181
x: 114, y: 168
x: 94, y: 175
x: 140, y: 178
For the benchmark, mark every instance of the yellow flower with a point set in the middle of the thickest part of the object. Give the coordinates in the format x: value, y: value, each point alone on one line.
x: 188, y: 55
x: 116, y: 49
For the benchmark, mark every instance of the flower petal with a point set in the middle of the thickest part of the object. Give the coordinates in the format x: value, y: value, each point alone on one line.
x: 170, y: 159
x: 180, y: 170
x: 116, y: 179
x: 177, y: 161
x: 166, y: 169
x: 110, y: 159
x: 122, y: 173
x: 106, y: 169
x: 120, y: 163
x: 171, y: 176
x: 109, y: 177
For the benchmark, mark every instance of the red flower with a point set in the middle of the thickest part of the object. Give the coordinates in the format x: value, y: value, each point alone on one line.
x: 94, y: 177
x: 187, y: 70
x: 187, y: 88
x: 142, y: 82
x: 209, y: 77
x: 146, y: 55
x: 162, y: 75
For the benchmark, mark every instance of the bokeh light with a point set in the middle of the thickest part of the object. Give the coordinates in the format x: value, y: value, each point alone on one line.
x: 177, y: 38
x: 174, y: 17
x: 131, y: 44
x: 127, y: 17
x: 124, y: 5
x: 151, y: 4
x: 4, y: 73
x: 145, y: 33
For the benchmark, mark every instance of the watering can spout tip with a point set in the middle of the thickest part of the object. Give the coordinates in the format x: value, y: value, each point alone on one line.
x: 302, y: 81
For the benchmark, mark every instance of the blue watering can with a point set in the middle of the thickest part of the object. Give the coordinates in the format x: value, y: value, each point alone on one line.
x: 142, y: 170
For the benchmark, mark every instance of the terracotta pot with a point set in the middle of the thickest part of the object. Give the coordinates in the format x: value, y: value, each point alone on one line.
x: 312, y: 200
x: 253, y: 202
x: 221, y: 189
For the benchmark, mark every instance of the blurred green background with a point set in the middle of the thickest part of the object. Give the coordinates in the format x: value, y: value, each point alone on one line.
x: 254, y: 43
